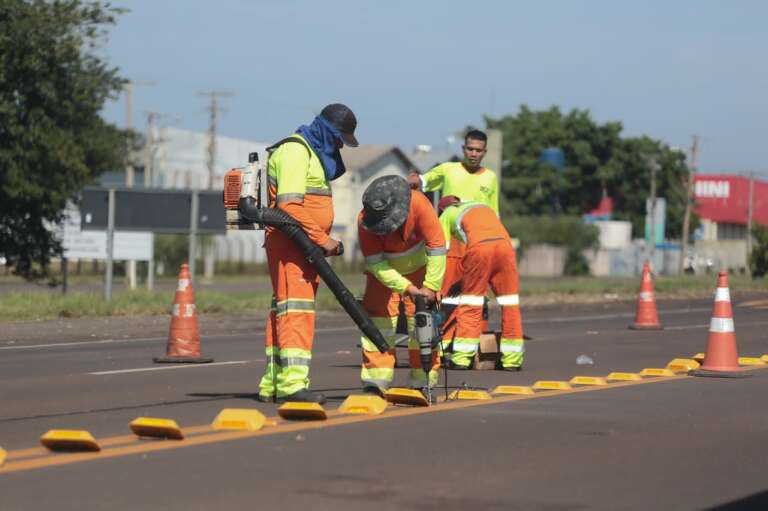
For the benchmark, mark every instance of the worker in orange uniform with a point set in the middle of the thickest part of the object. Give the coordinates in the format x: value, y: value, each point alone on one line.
x: 489, y: 260
x: 404, y: 250
x: 469, y: 181
x: 300, y: 170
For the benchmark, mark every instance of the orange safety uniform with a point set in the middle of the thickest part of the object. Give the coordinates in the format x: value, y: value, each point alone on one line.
x: 413, y: 254
x: 489, y: 259
x: 452, y: 178
x: 298, y: 186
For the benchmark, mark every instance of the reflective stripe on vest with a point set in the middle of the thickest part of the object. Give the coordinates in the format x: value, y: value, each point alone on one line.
x: 437, y: 251
x: 459, y: 229
x: 472, y: 300
x: 410, y: 251
x: 508, y: 300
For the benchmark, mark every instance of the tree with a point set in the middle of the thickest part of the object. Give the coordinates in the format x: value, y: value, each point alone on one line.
x: 53, y: 140
x: 758, y: 258
x: 597, y: 159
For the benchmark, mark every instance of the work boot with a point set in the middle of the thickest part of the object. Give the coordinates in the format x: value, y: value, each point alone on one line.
x: 513, y: 369
x: 303, y: 396
x: 264, y: 399
x: 374, y: 391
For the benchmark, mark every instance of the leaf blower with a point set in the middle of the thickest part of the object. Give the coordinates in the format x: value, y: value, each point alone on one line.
x: 245, y: 201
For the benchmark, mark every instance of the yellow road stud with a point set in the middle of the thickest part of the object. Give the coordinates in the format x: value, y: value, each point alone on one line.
x: 366, y: 405
x: 656, y: 371
x: 682, y: 365
x: 242, y: 419
x: 624, y: 377
x: 302, y: 412
x: 551, y: 385
x: 588, y: 380
x: 469, y: 394
x: 751, y: 361
x: 764, y: 358
x: 156, y: 428
x: 69, y: 440
x: 699, y: 357
x: 513, y: 389
x: 400, y: 396
x: 3, y: 454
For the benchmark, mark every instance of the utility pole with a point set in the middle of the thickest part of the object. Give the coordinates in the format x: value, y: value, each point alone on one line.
x: 214, y: 108
x: 688, y: 204
x: 750, y: 209
x: 130, y: 269
x: 652, y: 213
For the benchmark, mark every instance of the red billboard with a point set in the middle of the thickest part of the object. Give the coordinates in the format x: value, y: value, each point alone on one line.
x: 723, y: 198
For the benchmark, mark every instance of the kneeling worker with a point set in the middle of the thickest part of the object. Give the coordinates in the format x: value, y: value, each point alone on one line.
x: 404, y: 250
x: 489, y: 259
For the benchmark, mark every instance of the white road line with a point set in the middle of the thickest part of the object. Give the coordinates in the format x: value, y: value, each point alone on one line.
x: 145, y: 339
x: 686, y: 327
x: 167, y: 368
x: 568, y: 319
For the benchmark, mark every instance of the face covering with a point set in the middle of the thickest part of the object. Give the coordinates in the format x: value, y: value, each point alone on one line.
x: 322, y: 136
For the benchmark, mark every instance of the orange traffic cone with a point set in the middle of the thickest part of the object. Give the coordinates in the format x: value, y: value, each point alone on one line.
x: 722, y: 357
x: 184, y: 337
x: 646, y: 317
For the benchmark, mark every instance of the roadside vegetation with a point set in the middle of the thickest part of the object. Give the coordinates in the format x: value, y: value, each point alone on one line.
x: 248, y: 293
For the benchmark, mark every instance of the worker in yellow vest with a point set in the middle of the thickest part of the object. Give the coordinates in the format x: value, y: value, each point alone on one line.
x: 469, y: 181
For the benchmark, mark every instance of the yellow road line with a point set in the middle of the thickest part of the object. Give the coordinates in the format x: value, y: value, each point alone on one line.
x: 136, y: 446
x: 201, y: 435
x: 106, y: 442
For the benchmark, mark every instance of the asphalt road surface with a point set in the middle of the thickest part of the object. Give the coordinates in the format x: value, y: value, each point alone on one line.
x: 672, y: 443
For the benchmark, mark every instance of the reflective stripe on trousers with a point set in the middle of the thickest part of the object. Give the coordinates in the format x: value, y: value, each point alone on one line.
x: 512, y: 352
x: 464, y: 350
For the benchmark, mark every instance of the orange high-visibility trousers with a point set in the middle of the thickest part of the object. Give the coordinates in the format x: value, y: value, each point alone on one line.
x: 382, y: 304
x: 291, y: 326
x: 489, y: 263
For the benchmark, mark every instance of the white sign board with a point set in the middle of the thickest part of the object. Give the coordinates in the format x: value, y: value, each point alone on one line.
x: 78, y: 244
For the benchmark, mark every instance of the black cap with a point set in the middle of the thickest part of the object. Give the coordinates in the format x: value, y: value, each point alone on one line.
x: 343, y: 120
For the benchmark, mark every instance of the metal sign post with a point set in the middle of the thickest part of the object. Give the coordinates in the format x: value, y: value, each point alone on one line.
x: 110, y: 244
x: 193, y: 214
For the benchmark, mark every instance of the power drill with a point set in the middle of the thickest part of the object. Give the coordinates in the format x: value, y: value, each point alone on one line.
x: 427, y: 333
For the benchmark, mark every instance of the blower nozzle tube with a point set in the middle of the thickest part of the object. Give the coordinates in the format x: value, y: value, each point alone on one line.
x: 291, y: 228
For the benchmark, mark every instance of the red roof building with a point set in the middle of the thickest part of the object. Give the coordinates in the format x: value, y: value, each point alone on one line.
x: 722, y: 203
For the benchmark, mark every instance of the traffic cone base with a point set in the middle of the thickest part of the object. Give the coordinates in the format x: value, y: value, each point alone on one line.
x: 742, y: 372
x: 646, y: 317
x: 183, y: 345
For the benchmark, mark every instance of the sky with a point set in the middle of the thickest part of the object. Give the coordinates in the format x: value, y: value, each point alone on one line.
x: 416, y: 72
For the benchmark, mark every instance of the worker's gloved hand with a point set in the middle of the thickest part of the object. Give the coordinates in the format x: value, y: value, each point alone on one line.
x: 414, y: 181
x: 428, y: 294
x: 332, y: 247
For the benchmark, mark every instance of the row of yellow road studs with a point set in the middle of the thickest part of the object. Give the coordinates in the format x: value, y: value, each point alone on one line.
x: 241, y: 419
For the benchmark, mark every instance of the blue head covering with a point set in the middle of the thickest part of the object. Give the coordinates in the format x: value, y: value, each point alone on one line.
x: 322, y: 136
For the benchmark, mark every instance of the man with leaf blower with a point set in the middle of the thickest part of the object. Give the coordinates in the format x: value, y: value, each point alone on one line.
x: 404, y: 250
x: 300, y: 170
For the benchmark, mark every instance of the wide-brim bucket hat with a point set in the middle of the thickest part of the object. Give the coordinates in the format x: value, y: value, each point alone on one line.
x: 386, y: 203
